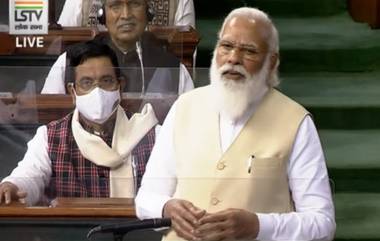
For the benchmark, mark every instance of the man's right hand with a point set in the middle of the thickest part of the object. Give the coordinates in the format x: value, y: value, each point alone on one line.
x: 184, y: 216
x: 9, y: 192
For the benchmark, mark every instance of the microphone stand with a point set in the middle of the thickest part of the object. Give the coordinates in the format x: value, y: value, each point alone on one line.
x: 119, y: 230
x: 117, y: 235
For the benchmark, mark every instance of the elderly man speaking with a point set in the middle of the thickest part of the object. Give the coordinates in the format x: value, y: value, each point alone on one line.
x: 237, y: 159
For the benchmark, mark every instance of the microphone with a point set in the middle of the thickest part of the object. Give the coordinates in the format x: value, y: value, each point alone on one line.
x: 130, y: 226
x: 139, y: 53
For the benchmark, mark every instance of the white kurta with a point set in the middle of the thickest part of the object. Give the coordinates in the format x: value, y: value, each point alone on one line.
x: 314, y: 217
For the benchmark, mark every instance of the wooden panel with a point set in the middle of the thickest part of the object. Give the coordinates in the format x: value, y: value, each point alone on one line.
x: 74, y: 208
x: 65, y: 202
x: 71, y: 220
x: 41, y: 109
x: 7, y: 46
x: 181, y: 41
x: 70, y: 212
x: 366, y: 11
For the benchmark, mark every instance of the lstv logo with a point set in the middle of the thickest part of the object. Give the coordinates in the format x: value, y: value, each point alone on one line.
x: 26, y: 10
x: 28, y: 17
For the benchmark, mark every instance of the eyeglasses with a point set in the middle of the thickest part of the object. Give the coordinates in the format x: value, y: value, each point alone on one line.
x: 117, y: 6
x: 249, y: 52
x: 107, y: 83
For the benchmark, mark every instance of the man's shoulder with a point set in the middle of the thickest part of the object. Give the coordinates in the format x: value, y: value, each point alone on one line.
x: 285, y: 100
x: 198, y: 98
x: 156, y: 54
x: 101, y: 38
x: 63, y: 122
x: 196, y: 93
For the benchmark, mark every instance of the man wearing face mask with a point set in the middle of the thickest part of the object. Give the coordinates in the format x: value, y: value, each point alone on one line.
x: 96, y: 150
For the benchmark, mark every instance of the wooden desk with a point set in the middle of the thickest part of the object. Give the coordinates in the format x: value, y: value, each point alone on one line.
x: 73, y: 208
x: 180, y: 40
x: 70, y: 220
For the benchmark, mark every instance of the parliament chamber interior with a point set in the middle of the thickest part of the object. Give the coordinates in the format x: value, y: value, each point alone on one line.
x: 330, y: 63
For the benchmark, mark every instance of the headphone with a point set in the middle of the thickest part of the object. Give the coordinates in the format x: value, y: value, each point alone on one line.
x: 101, y: 14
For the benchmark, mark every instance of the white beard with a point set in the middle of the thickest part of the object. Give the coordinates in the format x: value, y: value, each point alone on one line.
x: 234, y: 98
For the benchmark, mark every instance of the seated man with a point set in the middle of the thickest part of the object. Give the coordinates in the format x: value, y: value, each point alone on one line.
x: 95, y: 151
x: 148, y: 66
x: 238, y: 160
x: 166, y: 12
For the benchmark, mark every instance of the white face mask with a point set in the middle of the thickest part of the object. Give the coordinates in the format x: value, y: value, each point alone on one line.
x: 98, y: 105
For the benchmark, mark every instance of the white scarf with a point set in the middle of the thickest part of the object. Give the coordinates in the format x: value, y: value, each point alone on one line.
x: 127, y: 134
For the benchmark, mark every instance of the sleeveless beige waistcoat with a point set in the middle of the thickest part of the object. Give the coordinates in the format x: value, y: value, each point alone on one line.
x: 215, y: 181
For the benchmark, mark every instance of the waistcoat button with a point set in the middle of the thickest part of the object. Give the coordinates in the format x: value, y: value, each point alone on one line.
x: 214, y: 201
x: 221, y: 166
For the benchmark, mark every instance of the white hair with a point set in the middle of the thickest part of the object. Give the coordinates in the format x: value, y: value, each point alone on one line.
x: 271, y: 35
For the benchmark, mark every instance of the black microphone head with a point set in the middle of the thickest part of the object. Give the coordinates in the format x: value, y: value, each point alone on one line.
x: 162, y: 222
x: 125, y: 227
x: 92, y: 231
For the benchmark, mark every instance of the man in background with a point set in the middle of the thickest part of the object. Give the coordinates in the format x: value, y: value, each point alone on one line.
x: 77, y: 13
x: 96, y: 150
x: 148, y: 66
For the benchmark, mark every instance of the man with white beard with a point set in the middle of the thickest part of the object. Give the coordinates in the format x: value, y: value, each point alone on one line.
x: 237, y: 159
